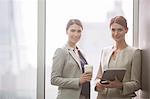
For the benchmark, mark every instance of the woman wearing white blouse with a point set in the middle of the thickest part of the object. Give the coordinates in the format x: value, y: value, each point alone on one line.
x: 121, y: 55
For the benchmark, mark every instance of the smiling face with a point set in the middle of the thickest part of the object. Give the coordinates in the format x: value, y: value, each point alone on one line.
x: 118, y: 26
x: 118, y: 32
x: 74, y: 34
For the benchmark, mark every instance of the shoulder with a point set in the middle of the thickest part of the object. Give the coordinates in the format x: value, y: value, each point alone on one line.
x: 61, y: 51
x: 133, y: 49
x: 107, y: 49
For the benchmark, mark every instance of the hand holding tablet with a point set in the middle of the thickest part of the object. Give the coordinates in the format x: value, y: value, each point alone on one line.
x: 111, y: 74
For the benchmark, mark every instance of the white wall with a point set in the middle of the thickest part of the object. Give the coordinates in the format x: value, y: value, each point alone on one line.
x: 144, y: 44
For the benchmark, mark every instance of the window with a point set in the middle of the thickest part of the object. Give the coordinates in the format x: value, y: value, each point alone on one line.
x: 18, y: 49
x: 95, y: 15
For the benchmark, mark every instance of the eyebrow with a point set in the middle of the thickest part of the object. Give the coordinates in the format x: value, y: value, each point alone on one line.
x: 75, y: 30
x: 120, y: 29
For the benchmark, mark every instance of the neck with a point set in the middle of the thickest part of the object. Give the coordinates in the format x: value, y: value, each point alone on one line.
x: 72, y: 45
x: 121, y: 45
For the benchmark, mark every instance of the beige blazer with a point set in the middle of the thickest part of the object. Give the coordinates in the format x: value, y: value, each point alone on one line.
x: 66, y: 71
x: 129, y: 58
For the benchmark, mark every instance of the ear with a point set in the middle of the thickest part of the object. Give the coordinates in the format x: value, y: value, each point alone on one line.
x: 126, y: 29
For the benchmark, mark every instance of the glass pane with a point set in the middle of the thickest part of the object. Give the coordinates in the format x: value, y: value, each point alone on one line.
x: 95, y: 15
x: 18, y: 49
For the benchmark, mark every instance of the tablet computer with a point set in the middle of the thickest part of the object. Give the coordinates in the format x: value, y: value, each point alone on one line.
x: 111, y: 74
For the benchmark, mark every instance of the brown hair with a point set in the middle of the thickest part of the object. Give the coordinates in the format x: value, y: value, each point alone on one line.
x: 119, y: 20
x: 74, y: 21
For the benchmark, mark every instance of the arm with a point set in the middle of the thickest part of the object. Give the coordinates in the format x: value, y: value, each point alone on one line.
x: 99, y: 87
x: 134, y: 84
x: 99, y: 73
x: 59, y: 60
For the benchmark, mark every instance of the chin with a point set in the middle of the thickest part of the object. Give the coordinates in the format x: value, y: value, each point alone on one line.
x: 74, y: 42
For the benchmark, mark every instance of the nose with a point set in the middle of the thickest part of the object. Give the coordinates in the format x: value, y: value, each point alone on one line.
x: 115, y: 32
x: 77, y: 33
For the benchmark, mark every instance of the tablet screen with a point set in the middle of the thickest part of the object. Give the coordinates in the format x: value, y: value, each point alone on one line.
x: 111, y: 74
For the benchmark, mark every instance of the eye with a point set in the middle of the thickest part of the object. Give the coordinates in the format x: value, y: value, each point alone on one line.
x: 72, y: 30
x: 113, y: 30
x: 79, y: 31
x: 119, y: 30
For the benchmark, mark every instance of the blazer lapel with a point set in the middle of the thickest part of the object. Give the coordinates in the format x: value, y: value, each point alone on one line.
x: 109, y: 55
x: 72, y: 53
